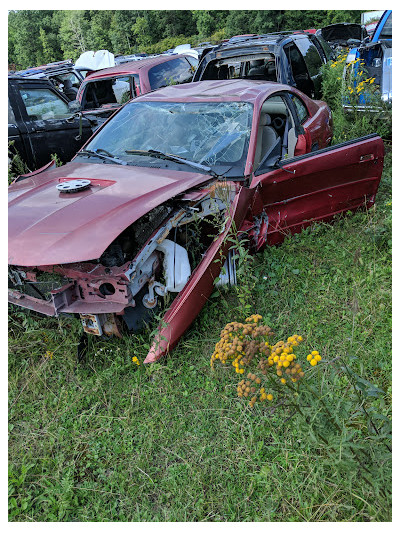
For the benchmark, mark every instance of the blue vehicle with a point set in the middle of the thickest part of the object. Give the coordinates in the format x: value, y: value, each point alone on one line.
x: 375, y: 57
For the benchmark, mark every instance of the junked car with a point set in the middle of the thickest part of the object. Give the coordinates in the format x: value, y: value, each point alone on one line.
x: 105, y: 90
x: 40, y: 122
x: 145, y: 212
x: 343, y: 35
x: 294, y: 58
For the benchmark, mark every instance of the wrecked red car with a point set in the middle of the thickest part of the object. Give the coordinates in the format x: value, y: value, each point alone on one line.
x: 143, y: 214
x: 105, y: 90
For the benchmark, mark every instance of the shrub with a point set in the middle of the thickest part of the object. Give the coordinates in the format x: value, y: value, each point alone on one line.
x: 336, y: 408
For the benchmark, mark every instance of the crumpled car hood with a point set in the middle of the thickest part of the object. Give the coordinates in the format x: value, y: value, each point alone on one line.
x: 47, y: 227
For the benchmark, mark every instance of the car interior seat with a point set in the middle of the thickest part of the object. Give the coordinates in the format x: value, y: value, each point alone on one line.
x: 257, y: 70
x: 266, y: 137
x: 69, y: 90
x: 270, y: 71
x: 223, y: 72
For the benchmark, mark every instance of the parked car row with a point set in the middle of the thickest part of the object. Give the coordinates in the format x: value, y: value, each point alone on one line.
x: 293, y: 58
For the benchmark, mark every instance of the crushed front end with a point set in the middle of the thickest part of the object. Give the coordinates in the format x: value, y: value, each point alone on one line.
x: 142, y: 267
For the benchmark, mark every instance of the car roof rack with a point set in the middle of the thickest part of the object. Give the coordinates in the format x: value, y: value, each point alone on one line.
x: 44, y: 68
x: 248, y: 38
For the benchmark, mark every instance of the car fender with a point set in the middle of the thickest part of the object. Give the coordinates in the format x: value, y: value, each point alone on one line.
x: 188, y: 304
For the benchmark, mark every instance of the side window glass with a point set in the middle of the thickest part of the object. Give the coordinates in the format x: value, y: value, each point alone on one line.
x: 311, y: 56
x: 300, y: 107
x: 11, y: 116
x: 299, y: 70
x: 136, y: 81
x: 324, y: 49
x: 296, y: 61
x: 170, y: 73
x: 122, y: 89
x: 43, y: 104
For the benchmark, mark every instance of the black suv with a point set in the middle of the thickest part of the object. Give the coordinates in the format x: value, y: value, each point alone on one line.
x: 40, y: 122
x: 293, y: 58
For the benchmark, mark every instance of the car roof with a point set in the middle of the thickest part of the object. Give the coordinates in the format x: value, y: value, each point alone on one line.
x: 30, y: 79
x: 131, y: 67
x: 214, y: 90
x: 67, y: 64
x: 258, y: 40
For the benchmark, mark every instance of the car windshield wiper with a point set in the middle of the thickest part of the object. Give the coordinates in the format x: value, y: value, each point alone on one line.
x: 172, y: 157
x: 102, y: 154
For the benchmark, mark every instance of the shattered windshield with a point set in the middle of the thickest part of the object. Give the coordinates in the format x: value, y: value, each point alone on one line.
x: 209, y: 133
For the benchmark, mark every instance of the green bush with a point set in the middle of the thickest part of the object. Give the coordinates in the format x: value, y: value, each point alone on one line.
x: 170, y: 42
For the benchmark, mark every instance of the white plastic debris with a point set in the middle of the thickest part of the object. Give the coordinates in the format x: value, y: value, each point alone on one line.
x: 95, y: 60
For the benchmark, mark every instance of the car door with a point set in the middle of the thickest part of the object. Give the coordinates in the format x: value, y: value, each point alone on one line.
x: 318, y: 185
x: 298, y: 74
x: 16, y: 147
x: 51, y: 128
x: 313, y: 61
x: 187, y: 305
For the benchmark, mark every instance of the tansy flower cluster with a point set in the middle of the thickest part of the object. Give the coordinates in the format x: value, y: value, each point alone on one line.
x: 341, y: 59
x: 314, y: 358
x: 240, y: 342
x: 247, y: 388
x: 135, y: 360
x: 361, y: 85
x: 247, y: 344
x: 284, y: 359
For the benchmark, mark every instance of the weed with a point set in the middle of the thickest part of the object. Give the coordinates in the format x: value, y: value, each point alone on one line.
x: 337, y: 405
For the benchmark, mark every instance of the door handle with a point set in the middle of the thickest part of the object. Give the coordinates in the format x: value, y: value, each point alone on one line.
x: 366, y: 157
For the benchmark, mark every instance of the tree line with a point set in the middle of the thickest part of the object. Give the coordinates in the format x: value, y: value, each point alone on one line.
x: 41, y: 36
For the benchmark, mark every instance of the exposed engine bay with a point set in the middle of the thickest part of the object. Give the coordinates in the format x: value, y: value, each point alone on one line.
x: 141, y: 270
